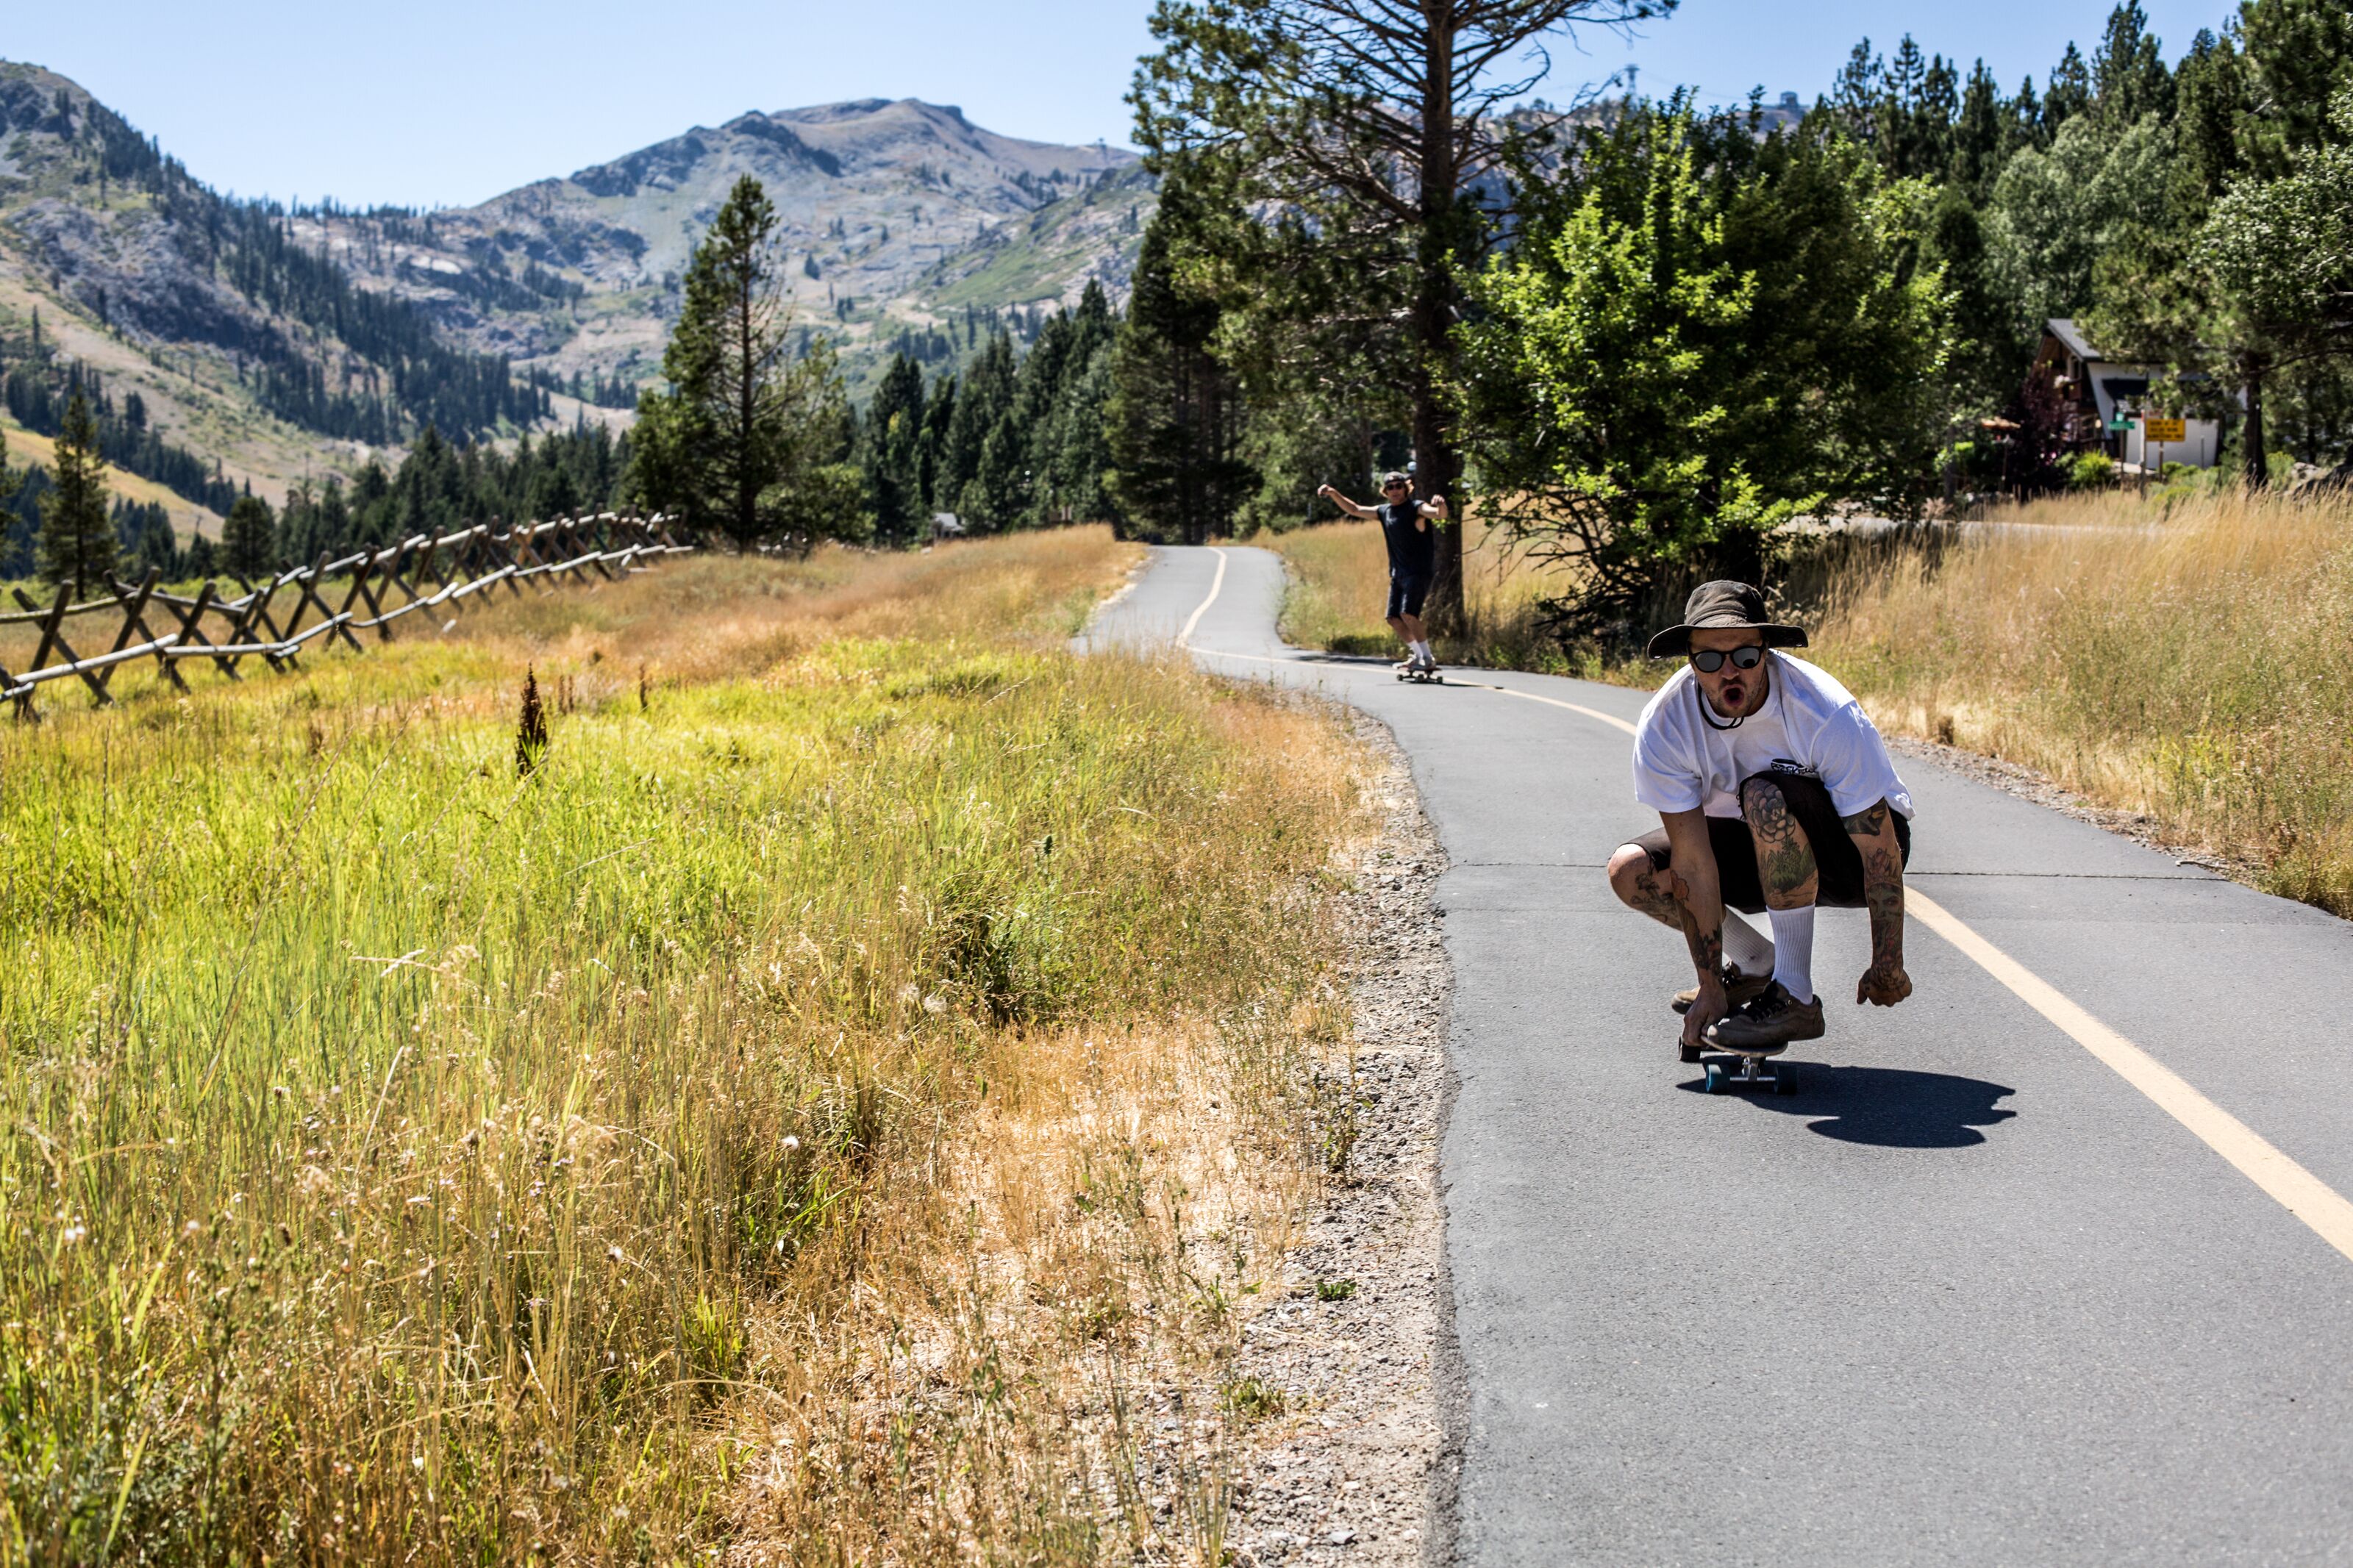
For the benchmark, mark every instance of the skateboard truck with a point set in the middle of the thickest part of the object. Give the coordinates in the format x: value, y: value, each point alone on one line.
x: 1729, y: 1071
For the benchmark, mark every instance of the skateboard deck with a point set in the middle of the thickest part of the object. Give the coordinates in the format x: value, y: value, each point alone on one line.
x: 1422, y: 676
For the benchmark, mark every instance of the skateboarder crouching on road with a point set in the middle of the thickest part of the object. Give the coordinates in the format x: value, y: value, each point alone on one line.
x: 1774, y: 792
x: 1413, y: 558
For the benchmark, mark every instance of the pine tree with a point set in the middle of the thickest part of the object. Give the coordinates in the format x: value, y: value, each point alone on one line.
x: 984, y: 395
x: 890, y: 452
x: 76, y: 543
x: 250, y: 538
x: 749, y: 439
x: 2067, y: 94
x: 2129, y: 75
x: 1174, y: 423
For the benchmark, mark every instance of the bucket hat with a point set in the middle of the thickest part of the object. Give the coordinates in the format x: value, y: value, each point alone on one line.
x: 1718, y: 606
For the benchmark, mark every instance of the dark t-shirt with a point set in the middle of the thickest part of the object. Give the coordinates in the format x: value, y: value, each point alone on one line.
x: 1413, y: 551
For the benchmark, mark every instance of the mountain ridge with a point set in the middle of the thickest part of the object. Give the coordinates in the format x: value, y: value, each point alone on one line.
x: 904, y: 225
x: 893, y: 207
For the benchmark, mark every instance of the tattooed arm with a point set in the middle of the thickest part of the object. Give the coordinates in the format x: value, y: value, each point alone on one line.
x: 1701, y: 893
x: 1884, y: 984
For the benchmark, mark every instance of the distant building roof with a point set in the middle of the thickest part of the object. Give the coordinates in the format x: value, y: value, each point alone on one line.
x: 2067, y: 333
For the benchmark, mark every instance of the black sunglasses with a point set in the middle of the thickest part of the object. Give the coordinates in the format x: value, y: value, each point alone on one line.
x: 1711, y: 659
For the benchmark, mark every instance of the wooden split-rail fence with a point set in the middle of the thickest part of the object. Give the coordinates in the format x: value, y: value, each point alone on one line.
x: 374, y: 590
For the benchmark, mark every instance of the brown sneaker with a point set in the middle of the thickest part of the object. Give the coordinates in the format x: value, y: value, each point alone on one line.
x: 1768, y: 1022
x: 1738, y: 988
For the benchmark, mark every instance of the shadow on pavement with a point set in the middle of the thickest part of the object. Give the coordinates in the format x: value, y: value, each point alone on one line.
x: 1894, y: 1108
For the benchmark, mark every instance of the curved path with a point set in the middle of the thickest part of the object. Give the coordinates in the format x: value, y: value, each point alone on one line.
x: 2049, y: 1265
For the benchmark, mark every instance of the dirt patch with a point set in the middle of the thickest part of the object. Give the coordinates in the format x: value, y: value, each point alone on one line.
x: 1360, y: 1466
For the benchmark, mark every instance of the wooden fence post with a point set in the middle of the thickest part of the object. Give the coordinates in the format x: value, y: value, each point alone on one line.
x: 53, y: 637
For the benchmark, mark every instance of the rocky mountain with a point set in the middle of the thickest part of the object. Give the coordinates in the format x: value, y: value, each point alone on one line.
x: 277, y: 343
x: 902, y: 220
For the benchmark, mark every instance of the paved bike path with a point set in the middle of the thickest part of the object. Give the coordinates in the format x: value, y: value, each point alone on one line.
x: 1971, y: 1295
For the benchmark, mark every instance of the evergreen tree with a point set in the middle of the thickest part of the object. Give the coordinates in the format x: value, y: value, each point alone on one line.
x: 2067, y: 94
x: 984, y: 396
x: 1174, y: 424
x: 939, y: 422
x: 76, y: 543
x: 1982, y: 139
x: 2300, y: 55
x: 890, y: 453
x: 250, y: 538
x: 2129, y: 75
x: 749, y: 437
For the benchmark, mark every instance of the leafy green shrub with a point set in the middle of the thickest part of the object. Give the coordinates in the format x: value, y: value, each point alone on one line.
x: 2090, y: 471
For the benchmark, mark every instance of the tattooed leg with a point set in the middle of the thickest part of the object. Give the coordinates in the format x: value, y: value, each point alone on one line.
x: 1640, y: 887
x: 1785, y: 856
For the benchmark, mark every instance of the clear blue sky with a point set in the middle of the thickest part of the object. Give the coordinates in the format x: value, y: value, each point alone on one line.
x: 436, y: 101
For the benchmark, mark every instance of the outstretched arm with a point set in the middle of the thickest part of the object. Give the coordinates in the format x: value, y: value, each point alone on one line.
x: 1884, y: 984
x: 1700, y: 891
x: 1343, y: 503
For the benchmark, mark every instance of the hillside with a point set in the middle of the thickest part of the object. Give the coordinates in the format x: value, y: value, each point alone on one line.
x: 270, y: 344
x: 901, y: 219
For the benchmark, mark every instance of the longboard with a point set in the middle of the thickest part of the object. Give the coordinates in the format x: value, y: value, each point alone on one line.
x: 1422, y: 676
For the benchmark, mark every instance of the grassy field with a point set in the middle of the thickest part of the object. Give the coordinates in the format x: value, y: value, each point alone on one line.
x: 835, y: 1104
x: 2179, y: 658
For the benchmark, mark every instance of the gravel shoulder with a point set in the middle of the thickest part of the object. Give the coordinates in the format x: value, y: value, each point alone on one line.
x: 1360, y: 1466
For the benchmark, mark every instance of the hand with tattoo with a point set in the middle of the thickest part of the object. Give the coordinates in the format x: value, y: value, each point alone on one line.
x: 1884, y: 984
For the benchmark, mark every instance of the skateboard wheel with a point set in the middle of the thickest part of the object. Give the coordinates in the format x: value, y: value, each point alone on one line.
x: 1688, y: 1053
x: 1785, y: 1078
x: 1715, y: 1078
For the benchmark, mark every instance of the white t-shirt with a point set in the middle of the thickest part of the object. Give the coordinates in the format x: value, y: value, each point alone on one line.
x: 1810, y: 725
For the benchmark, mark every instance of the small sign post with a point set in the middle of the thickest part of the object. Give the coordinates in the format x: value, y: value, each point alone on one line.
x: 2161, y: 431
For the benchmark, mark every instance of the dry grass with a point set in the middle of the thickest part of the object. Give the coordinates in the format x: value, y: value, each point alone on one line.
x: 2186, y: 663
x: 836, y: 1108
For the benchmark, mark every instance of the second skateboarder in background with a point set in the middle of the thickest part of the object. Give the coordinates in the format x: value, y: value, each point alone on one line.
x: 1408, y: 526
x: 1775, y: 794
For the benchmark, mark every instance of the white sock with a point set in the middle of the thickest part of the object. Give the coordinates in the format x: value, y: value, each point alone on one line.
x: 1745, y: 947
x: 1793, y: 951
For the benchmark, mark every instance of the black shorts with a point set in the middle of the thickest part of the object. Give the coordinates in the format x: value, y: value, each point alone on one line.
x: 1838, y: 864
x: 1406, y: 591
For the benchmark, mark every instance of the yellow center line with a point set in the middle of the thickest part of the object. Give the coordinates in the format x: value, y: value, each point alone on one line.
x: 2298, y: 1190
x: 2315, y: 1202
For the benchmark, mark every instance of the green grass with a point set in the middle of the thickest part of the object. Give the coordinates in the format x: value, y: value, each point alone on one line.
x: 407, y: 1160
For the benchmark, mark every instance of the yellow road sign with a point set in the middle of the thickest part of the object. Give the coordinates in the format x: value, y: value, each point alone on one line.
x: 2164, y: 430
